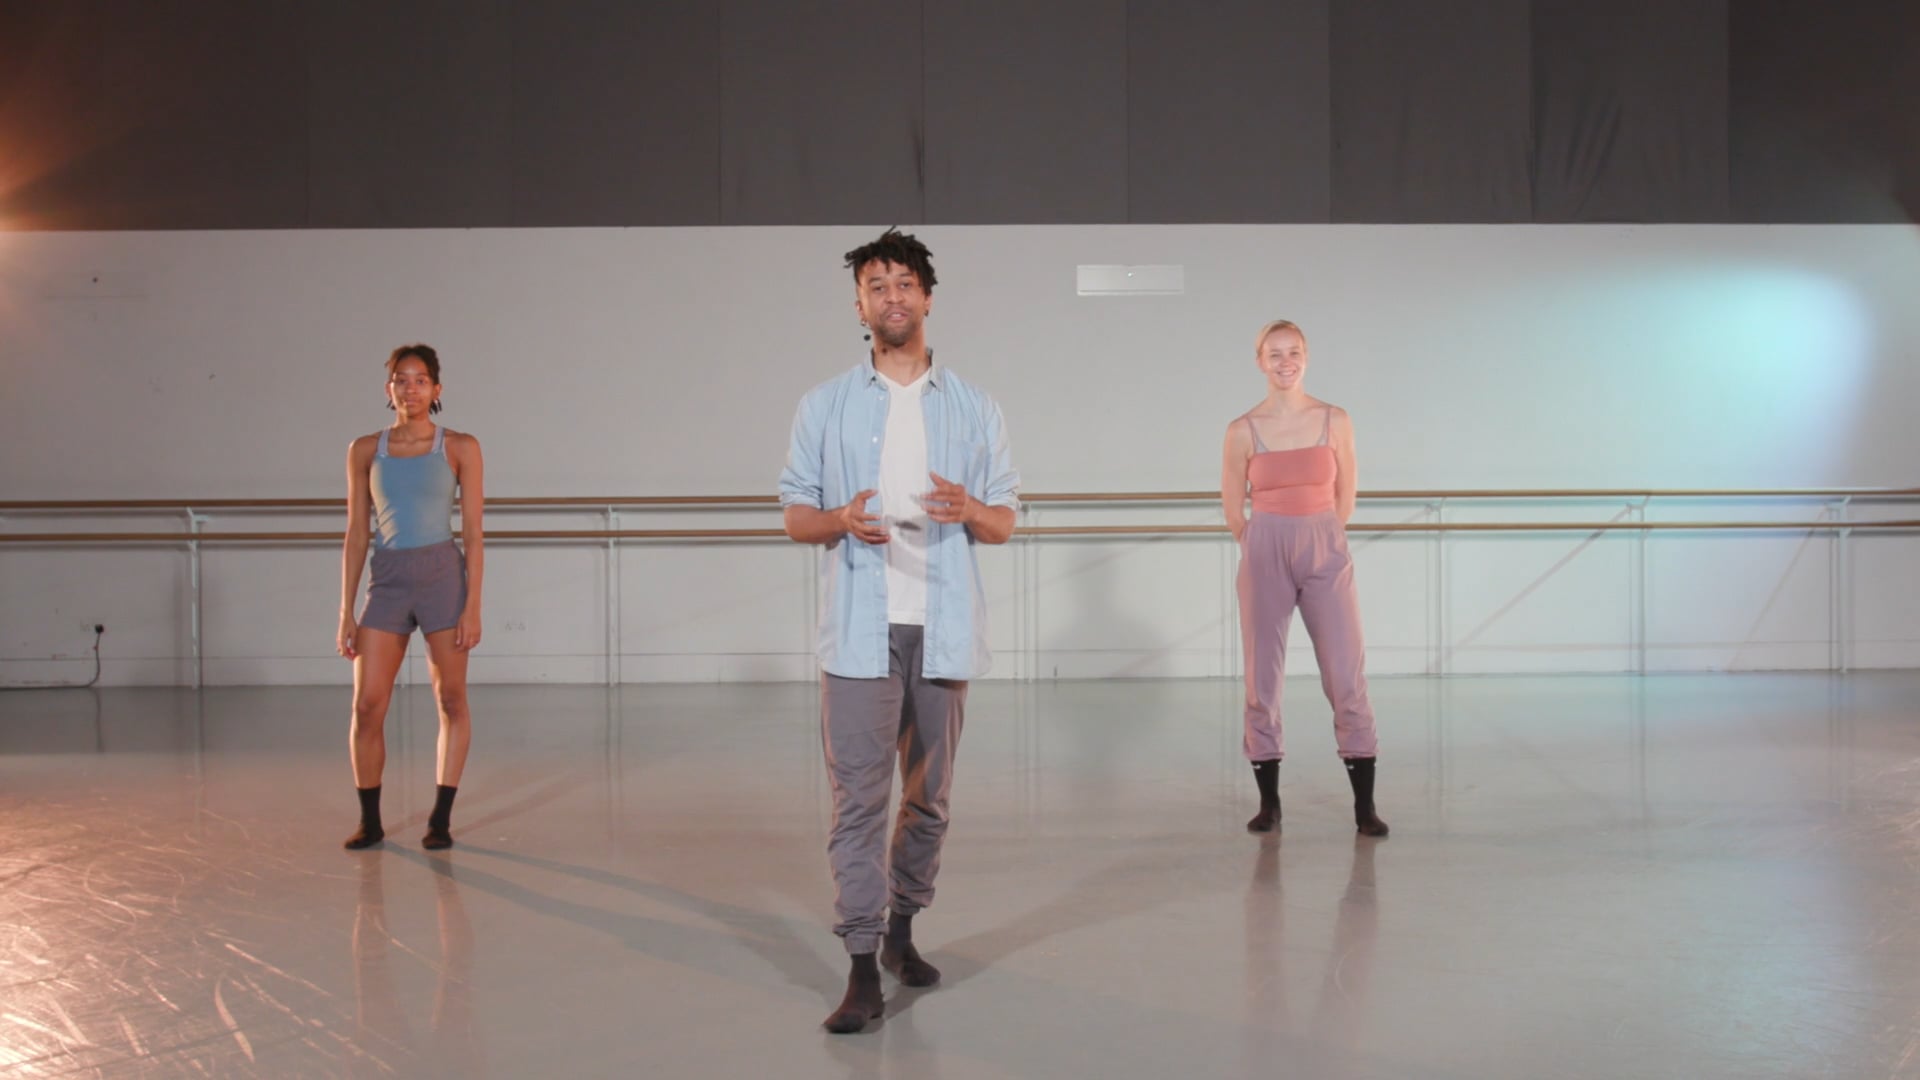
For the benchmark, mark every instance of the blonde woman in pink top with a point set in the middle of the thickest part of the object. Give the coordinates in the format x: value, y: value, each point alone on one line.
x: 1293, y: 455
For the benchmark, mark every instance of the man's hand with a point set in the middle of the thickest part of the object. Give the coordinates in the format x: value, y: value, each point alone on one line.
x: 948, y: 503
x: 859, y: 524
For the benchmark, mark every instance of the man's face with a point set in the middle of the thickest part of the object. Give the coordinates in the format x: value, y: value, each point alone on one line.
x: 891, y: 302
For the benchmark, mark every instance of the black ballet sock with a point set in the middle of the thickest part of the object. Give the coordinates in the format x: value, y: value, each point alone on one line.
x: 440, y: 822
x: 1266, y: 776
x: 900, y: 927
x: 863, y: 1001
x: 1360, y: 775
x: 370, y: 832
x: 898, y: 955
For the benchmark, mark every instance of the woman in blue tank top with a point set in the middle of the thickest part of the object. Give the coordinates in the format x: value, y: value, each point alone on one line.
x: 400, y: 491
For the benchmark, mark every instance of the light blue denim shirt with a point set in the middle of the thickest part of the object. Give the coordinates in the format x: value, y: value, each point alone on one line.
x: 835, y: 455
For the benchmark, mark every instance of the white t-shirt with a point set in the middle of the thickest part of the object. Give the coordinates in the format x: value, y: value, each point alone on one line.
x: 904, y: 483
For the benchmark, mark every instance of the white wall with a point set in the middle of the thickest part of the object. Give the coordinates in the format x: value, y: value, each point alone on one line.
x: 614, y: 361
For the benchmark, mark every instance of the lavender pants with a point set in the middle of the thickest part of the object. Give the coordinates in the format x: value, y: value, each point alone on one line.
x: 1289, y: 561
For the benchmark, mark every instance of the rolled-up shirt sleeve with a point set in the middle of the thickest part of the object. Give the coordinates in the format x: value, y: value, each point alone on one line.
x: 800, y: 481
x: 1003, y: 480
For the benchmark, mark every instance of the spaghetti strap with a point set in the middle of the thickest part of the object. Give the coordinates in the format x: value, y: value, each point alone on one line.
x: 440, y: 439
x: 382, y: 452
x: 1258, y: 446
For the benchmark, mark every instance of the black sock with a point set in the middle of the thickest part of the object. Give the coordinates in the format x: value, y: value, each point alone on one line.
x: 370, y: 832
x: 863, y: 1001
x: 1266, y: 777
x: 898, y: 955
x: 1360, y: 775
x: 442, y: 817
x: 440, y: 822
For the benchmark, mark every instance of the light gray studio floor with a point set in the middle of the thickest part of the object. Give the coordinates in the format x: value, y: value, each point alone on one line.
x: 1685, y: 877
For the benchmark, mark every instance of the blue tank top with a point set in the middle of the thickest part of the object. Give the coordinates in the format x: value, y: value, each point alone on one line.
x: 412, y: 496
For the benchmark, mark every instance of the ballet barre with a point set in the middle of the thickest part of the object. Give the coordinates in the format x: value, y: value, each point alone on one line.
x: 696, y: 502
x: 1833, y: 513
x: 236, y: 537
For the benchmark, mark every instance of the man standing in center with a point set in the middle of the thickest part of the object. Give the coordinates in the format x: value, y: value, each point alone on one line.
x: 899, y: 468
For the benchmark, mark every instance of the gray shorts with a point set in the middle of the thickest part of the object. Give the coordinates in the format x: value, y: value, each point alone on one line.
x: 423, y: 587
